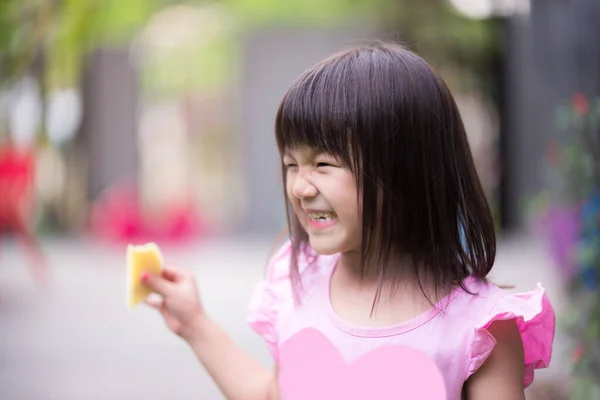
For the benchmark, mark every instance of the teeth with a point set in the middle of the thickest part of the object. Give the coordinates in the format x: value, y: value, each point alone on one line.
x: 322, y: 216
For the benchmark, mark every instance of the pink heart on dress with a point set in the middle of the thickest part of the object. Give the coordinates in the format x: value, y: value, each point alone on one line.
x: 311, y: 368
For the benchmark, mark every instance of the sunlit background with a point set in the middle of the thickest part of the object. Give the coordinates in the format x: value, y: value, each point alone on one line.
x: 152, y: 120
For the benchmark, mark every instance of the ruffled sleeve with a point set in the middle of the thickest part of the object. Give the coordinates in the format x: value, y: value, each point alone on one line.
x: 268, y: 296
x: 536, y: 321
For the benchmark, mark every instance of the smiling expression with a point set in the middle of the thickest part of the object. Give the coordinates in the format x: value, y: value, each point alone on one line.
x: 323, y: 195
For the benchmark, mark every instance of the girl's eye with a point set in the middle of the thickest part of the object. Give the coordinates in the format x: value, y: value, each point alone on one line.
x: 322, y: 164
x: 288, y: 166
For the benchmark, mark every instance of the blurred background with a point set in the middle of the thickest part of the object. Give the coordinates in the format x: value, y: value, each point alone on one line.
x: 152, y: 120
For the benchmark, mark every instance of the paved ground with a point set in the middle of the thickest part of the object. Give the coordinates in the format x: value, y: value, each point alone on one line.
x: 80, y: 341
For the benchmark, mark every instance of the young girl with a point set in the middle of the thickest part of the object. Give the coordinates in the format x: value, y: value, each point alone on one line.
x: 380, y: 291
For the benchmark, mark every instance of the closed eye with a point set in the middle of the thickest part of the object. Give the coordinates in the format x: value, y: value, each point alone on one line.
x: 322, y: 164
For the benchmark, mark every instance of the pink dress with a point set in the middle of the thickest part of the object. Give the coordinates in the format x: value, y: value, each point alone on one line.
x: 321, y: 357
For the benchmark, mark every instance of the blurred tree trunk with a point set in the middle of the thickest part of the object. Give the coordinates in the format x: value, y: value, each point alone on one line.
x: 109, y: 130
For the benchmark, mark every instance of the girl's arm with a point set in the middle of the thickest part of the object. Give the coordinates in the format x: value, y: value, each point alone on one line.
x: 237, y: 375
x: 501, y: 376
x: 274, y: 388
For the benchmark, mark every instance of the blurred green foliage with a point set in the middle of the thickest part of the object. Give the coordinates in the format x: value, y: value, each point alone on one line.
x: 58, y: 33
x: 49, y: 38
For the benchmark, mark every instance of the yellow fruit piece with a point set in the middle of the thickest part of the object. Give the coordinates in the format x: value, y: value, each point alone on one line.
x: 144, y: 258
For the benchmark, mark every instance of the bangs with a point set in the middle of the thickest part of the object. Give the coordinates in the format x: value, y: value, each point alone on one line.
x: 319, y: 112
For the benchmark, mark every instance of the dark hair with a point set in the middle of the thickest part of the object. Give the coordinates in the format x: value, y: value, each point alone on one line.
x: 385, y: 113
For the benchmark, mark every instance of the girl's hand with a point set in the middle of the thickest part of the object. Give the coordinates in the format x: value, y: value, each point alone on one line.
x: 179, y: 303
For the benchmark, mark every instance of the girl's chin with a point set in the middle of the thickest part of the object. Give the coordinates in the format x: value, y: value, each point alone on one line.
x: 325, y: 246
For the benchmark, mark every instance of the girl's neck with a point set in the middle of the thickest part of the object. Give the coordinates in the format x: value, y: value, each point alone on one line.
x: 350, y: 263
x: 349, y: 270
x: 352, y: 296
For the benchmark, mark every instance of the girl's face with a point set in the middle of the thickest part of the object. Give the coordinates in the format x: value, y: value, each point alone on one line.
x: 323, y: 195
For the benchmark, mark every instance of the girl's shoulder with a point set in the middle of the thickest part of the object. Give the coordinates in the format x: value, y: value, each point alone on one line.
x: 265, y: 301
x: 280, y: 263
x: 485, y: 303
x: 275, y: 290
x: 278, y: 267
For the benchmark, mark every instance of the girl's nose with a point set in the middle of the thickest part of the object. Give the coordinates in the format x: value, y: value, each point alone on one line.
x: 303, y: 188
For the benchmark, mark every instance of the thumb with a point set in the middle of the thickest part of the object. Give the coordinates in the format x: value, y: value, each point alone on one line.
x: 156, y: 283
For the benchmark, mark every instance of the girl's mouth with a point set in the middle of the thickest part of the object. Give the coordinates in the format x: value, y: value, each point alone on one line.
x: 322, y: 219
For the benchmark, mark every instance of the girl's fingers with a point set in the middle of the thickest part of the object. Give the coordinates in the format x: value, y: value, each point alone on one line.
x: 157, y: 283
x: 155, y: 302
x: 172, y: 274
x: 169, y: 274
